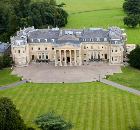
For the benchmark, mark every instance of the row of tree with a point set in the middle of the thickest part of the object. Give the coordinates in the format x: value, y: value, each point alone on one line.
x: 5, y: 61
x: 10, y: 119
x: 132, y: 10
x: 15, y: 14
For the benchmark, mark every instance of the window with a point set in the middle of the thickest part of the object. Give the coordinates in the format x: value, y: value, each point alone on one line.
x: 45, y: 40
x: 19, y: 60
x: 38, y: 48
x: 84, y: 40
x: 91, y: 39
x: 105, y: 47
x: 115, y: 50
x: 18, y: 51
x: 120, y: 49
x: 98, y: 47
x: 39, y: 55
x: 112, y: 50
x: 58, y: 58
x: 102, y: 54
x: 38, y: 40
x: 102, y: 47
x: 57, y: 51
x: 91, y: 47
x: 45, y: 48
x: 52, y: 47
x: 87, y: 47
x: 84, y: 55
x: 24, y: 60
x: 112, y: 58
x: 31, y: 48
x: 32, y: 40
x: 84, y: 47
x: 105, y: 39
x: 46, y: 55
x: 116, y: 42
x: 115, y: 58
x: 98, y: 39
x: 52, y: 40
x: 42, y: 55
x: 53, y: 56
x: 98, y: 55
x: 23, y: 51
x: 77, y: 51
x: 15, y: 51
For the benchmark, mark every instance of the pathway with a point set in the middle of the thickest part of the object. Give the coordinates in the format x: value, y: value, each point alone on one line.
x: 120, y: 86
x: 12, y: 85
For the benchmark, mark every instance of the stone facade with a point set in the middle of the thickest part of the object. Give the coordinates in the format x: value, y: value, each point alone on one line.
x: 69, y: 46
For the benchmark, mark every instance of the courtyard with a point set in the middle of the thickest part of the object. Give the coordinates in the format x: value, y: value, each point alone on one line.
x: 49, y: 73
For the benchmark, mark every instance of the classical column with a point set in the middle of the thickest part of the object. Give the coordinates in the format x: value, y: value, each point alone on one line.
x: 70, y: 58
x: 75, y: 58
x: 65, y: 64
x: 60, y: 58
x: 55, y: 58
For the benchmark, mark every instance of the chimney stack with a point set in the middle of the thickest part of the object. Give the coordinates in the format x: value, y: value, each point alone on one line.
x: 101, y: 27
x: 48, y: 27
x: 84, y: 26
x: 8, y: 43
x: 60, y: 34
x: 69, y: 27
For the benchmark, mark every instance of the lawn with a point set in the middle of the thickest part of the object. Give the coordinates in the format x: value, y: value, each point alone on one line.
x: 128, y: 77
x: 90, y: 106
x: 6, y: 78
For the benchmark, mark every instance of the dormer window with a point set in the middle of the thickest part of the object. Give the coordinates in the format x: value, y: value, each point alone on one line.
x: 84, y: 39
x: 116, y: 42
x: 52, y: 40
x: 32, y: 40
x: 91, y: 39
x: 38, y: 40
x: 98, y: 39
x: 45, y: 40
x: 105, y: 39
x: 45, y: 48
x: 38, y: 48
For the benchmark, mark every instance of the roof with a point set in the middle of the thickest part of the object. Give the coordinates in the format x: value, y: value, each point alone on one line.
x: 2, y: 47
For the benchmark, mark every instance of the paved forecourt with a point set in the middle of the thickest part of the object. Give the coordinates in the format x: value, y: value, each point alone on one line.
x: 48, y: 73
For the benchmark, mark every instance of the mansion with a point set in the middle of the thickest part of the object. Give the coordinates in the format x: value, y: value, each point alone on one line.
x: 69, y: 46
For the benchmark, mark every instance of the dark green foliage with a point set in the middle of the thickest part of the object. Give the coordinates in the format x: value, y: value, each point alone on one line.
x: 134, y: 128
x: 132, y: 20
x: 134, y: 57
x: 9, y: 116
x: 1, y: 62
x: 5, y: 61
x: 15, y: 14
x: 132, y: 9
x: 50, y: 121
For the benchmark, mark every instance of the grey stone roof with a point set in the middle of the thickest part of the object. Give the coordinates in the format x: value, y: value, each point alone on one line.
x: 70, y: 42
x: 2, y: 47
x: 94, y: 33
x: 68, y: 37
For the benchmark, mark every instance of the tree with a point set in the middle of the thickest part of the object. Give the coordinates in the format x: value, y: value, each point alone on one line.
x: 1, y: 62
x: 9, y: 116
x: 134, y: 57
x: 6, y: 60
x: 132, y: 20
x: 50, y: 121
x: 134, y: 128
x: 132, y: 9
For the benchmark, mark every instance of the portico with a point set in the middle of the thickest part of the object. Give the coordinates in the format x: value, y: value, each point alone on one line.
x: 66, y: 57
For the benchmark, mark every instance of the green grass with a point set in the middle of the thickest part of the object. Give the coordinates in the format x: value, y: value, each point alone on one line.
x: 6, y: 78
x: 128, y: 77
x: 90, y: 106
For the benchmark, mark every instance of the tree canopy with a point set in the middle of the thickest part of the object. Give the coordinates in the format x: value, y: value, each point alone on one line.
x: 15, y: 14
x: 50, y: 121
x: 132, y: 9
x: 134, y: 57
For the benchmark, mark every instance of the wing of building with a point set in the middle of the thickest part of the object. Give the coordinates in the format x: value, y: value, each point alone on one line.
x: 69, y: 46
